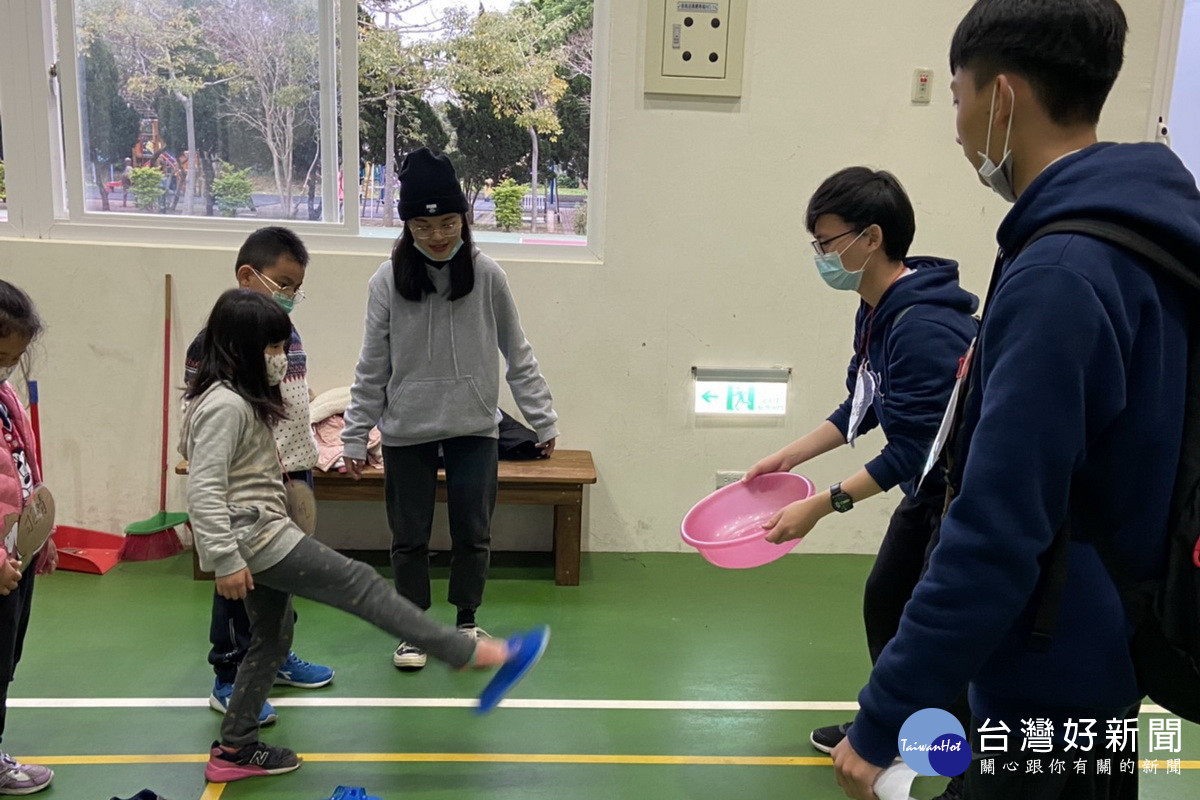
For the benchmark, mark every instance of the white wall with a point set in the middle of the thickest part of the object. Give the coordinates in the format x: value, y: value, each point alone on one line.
x: 1185, y: 94
x: 706, y: 262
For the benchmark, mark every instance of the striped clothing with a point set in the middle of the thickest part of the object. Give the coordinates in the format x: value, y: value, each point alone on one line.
x: 293, y: 436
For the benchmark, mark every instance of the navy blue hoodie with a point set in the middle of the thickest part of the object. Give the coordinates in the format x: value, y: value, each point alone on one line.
x: 912, y: 341
x: 1075, y: 413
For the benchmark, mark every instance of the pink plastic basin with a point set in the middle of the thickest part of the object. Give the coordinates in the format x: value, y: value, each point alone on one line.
x: 726, y: 526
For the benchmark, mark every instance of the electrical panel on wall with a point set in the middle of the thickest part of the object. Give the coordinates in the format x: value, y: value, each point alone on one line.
x: 695, y: 48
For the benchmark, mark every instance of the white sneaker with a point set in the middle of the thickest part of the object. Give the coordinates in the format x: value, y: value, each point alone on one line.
x: 472, y: 632
x: 408, y: 657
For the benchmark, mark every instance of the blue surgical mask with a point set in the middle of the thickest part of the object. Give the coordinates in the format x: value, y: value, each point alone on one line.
x: 999, y: 176
x: 836, y: 275
x: 453, y: 252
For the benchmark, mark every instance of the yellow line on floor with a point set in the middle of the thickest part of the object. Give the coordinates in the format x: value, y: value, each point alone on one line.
x: 163, y: 758
x: 488, y: 758
x: 213, y: 791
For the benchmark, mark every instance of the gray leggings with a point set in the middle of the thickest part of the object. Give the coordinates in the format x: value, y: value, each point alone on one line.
x: 315, y: 571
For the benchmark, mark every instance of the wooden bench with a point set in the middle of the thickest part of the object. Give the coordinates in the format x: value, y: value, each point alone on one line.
x: 555, y: 481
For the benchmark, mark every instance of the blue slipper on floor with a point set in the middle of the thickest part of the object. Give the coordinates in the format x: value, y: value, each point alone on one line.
x: 351, y: 793
x: 525, y: 649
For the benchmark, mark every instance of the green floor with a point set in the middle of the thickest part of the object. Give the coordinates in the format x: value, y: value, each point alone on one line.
x: 642, y: 628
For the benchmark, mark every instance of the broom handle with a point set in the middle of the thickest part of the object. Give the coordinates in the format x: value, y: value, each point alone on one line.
x: 162, y: 484
x: 35, y: 422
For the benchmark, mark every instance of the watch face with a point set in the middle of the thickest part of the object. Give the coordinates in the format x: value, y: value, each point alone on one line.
x: 842, y: 502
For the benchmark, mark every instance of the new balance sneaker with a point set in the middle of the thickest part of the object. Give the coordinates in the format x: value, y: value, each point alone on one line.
x: 252, y: 761
x: 298, y: 672
x: 17, y: 778
x: 219, y: 701
x: 408, y: 657
x: 825, y: 739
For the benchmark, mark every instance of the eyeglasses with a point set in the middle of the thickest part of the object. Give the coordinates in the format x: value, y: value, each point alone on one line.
x: 447, y: 229
x: 296, y: 295
x: 819, y: 245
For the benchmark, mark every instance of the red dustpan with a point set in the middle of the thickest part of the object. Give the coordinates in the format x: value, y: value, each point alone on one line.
x: 82, y: 550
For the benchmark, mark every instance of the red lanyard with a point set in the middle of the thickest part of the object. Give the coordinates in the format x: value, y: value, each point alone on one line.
x: 862, y: 352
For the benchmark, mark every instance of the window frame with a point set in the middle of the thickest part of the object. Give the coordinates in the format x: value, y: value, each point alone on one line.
x: 1164, y: 67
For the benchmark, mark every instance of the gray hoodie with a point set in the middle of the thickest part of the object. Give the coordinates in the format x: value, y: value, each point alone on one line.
x: 236, y: 500
x: 429, y: 370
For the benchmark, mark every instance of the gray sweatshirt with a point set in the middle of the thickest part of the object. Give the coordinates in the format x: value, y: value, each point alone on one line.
x: 429, y: 370
x: 236, y: 500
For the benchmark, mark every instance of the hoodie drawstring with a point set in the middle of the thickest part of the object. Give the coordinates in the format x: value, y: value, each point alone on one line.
x: 429, y: 337
x: 453, y: 348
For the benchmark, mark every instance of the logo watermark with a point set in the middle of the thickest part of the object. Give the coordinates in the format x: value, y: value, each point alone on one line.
x: 932, y: 742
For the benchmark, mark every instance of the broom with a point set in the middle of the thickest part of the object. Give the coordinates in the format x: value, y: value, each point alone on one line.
x: 155, y: 538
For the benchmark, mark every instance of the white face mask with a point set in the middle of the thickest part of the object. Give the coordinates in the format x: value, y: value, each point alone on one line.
x: 277, y: 367
x: 6, y: 372
x: 453, y: 252
x: 999, y: 176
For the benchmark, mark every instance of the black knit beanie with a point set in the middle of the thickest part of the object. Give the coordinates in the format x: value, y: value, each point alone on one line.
x: 428, y: 186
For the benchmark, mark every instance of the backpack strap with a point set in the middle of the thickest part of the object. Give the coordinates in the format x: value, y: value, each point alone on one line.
x: 1057, y: 557
x: 1117, y: 234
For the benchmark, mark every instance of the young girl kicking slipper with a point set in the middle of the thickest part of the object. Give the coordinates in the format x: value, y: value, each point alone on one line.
x: 237, y: 505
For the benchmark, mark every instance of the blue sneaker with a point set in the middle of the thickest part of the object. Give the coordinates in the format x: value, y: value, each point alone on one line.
x: 219, y: 701
x: 298, y: 672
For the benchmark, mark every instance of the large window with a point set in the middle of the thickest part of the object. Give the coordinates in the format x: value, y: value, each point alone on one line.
x: 190, y: 114
x: 204, y: 107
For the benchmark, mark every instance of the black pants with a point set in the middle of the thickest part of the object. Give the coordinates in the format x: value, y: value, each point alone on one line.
x: 903, y: 558
x: 14, y: 621
x: 229, y: 627
x: 1010, y: 774
x: 410, y: 486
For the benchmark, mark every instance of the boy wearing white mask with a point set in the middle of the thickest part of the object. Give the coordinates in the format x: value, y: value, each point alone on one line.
x: 913, y: 325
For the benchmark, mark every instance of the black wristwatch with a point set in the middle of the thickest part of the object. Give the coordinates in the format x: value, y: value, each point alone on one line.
x: 840, y: 501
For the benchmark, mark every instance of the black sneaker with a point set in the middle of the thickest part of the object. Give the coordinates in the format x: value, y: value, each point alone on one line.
x: 408, y: 657
x: 825, y: 739
x: 954, y: 790
x: 251, y: 761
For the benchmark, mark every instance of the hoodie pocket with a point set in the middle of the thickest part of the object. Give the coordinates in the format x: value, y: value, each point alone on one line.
x: 435, y: 408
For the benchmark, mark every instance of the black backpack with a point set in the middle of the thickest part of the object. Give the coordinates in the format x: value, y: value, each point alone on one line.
x: 1166, y: 612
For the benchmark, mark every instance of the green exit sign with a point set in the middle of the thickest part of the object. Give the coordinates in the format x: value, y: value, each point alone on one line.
x: 741, y: 397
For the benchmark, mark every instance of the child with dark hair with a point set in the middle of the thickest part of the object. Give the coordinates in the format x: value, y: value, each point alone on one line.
x: 272, y: 262
x: 236, y: 501
x: 913, y: 325
x: 1070, y: 433
x: 20, y: 473
x: 439, y: 314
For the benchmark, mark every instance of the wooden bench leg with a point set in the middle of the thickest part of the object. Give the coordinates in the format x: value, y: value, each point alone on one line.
x: 568, y: 525
x: 197, y: 573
